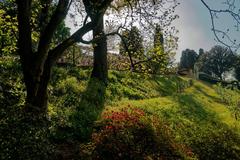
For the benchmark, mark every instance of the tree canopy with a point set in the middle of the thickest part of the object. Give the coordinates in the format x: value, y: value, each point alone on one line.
x: 188, y: 59
x: 218, y: 61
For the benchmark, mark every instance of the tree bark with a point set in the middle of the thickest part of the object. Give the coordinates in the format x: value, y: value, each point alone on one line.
x: 100, y: 68
x: 37, y: 94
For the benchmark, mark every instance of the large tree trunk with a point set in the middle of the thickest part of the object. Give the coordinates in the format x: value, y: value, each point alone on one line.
x: 100, y: 68
x: 37, y: 65
x: 37, y: 96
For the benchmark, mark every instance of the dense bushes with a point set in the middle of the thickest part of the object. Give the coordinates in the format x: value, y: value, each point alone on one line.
x: 213, y: 142
x: 230, y: 98
x: 24, y: 137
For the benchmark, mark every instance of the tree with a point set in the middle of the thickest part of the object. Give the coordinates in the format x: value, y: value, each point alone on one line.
x: 218, y: 61
x: 228, y: 36
x: 37, y: 64
x: 200, y: 52
x: 9, y: 30
x: 96, y: 10
x: 237, y: 69
x: 38, y: 57
x: 188, y: 59
x: 145, y: 16
x: 158, y: 58
x: 132, y: 44
x: 237, y: 73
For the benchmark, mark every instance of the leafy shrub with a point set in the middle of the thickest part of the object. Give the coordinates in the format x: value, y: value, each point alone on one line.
x: 218, y: 143
x: 23, y: 136
x: 69, y: 85
x: 130, y: 134
x: 231, y: 98
x: 79, y: 73
x: 131, y: 93
x: 73, y: 113
x: 58, y: 74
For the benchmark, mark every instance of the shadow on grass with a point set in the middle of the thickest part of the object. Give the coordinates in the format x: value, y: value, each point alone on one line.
x: 76, y: 119
x: 207, y: 95
x: 207, y: 136
x: 89, y: 109
x: 193, y: 110
x: 82, y: 120
x: 167, y: 87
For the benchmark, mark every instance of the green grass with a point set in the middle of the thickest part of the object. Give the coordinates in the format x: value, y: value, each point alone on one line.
x: 77, y: 102
x: 198, y: 119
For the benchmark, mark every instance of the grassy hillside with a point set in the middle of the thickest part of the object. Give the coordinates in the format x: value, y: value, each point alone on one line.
x: 198, y: 119
x: 193, y: 111
x: 146, y: 116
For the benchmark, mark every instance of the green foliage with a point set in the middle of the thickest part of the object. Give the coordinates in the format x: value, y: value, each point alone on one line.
x: 218, y: 61
x: 159, y: 58
x: 188, y: 59
x: 77, y: 105
x: 12, y: 88
x: 218, y: 142
x: 231, y: 98
x: 196, y: 122
x: 61, y: 33
x: 8, y: 29
x: 76, y: 101
x: 23, y: 136
x: 154, y: 60
x: 132, y: 43
x: 237, y: 69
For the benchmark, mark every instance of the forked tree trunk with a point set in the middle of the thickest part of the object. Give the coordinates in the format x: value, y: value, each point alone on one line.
x: 100, y: 68
x: 37, y: 94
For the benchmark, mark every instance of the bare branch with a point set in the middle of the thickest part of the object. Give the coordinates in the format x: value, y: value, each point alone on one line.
x: 220, y: 34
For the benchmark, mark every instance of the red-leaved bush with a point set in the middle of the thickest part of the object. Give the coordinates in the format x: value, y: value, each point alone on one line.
x: 131, y: 134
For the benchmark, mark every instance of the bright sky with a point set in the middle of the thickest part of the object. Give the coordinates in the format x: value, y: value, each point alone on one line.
x: 194, y: 25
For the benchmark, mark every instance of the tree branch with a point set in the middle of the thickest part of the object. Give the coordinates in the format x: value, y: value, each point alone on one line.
x: 216, y: 32
x: 55, y: 53
x: 24, y: 29
x: 45, y: 38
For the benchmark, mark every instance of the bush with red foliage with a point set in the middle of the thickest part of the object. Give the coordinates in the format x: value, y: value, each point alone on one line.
x: 131, y: 134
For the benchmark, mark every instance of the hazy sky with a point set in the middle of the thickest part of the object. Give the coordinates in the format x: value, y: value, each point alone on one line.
x: 194, y: 25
